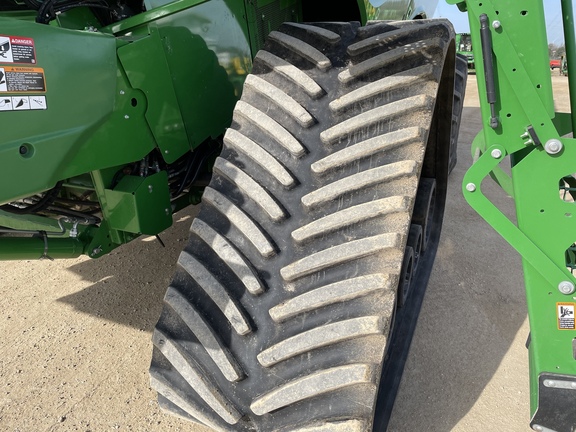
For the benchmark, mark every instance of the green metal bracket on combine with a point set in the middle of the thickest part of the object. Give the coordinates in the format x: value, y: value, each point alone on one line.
x: 139, y: 205
x: 154, y: 87
x: 517, y: 106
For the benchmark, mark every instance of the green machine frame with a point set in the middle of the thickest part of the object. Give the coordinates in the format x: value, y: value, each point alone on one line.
x: 522, y: 130
x: 154, y: 90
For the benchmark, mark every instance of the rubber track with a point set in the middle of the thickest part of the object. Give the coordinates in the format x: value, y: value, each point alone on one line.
x: 460, y: 80
x: 278, y: 315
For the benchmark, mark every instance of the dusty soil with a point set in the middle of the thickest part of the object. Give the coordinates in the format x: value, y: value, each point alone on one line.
x: 75, y: 343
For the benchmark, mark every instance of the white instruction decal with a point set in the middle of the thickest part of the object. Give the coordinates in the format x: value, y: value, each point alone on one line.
x: 37, y: 102
x: 17, y: 49
x: 5, y: 103
x: 565, y: 313
x: 3, y: 85
x: 21, y: 103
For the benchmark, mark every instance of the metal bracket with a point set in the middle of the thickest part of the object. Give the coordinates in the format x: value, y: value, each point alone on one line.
x: 485, y: 164
x: 556, y: 402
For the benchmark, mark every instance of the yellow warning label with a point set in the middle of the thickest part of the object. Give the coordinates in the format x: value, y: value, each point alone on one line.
x: 22, y: 79
x: 565, y: 312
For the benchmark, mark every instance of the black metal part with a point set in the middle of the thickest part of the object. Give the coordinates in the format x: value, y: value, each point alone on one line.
x: 486, y: 39
x: 534, y: 136
x: 12, y: 5
x: 556, y: 403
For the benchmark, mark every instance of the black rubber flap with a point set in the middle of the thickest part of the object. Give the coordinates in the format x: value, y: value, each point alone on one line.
x: 556, y: 403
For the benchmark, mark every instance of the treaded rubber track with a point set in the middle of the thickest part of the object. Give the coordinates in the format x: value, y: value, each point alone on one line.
x: 278, y: 315
x: 460, y: 80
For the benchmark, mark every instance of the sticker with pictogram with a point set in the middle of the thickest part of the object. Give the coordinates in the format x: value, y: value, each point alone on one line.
x: 21, y: 79
x: 17, y: 49
x: 565, y: 312
x: 21, y: 103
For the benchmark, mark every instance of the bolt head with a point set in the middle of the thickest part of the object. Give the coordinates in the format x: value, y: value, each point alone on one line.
x: 150, y: 188
x: 566, y: 287
x: 470, y: 187
x: 553, y: 146
x: 126, y: 116
x: 496, y: 153
x: 538, y: 428
x: 496, y: 24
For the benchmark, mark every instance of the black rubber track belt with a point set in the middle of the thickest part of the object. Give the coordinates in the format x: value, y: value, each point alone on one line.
x: 460, y: 80
x: 279, y: 313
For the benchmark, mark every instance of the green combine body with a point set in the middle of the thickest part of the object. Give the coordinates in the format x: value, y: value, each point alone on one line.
x: 525, y: 146
x: 317, y: 142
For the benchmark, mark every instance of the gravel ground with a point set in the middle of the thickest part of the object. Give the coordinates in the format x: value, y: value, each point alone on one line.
x: 75, y: 344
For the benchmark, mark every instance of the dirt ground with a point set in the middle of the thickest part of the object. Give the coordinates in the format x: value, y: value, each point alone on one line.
x: 75, y: 342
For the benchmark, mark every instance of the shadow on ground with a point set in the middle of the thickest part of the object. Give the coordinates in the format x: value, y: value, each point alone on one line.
x: 472, y: 312
x: 130, y: 282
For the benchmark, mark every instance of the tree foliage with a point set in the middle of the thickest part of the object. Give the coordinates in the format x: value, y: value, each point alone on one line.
x: 556, y: 51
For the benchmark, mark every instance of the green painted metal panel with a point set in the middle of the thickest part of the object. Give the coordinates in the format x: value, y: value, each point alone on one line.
x: 140, y: 205
x: 145, y: 65
x: 86, y: 117
x: 192, y: 72
x: 399, y: 9
x: 28, y: 222
x: 208, y: 55
x: 26, y: 248
x: 542, y: 167
x: 79, y: 74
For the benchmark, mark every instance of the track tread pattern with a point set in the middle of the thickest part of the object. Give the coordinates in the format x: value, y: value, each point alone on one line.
x: 240, y: 220
x: 305, y: 50
x: 319, y: 337
x: 229, y: 255
x: 271, y: 127
x: 338, y: 292
x: 349, y: 217
x: 175, y: 354
x: 311, y: 385
x: 355, y: 182
x: 278, y: 315
x: 205, y: 334
x: 216, y: 291
x: 280, y: 98
x: 291, y: 73
x: 251, y: 188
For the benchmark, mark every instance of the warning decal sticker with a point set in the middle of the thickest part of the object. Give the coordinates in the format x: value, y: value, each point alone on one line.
x: 565, y: 312
x: 18, y: 103
x: 22, y: 79
x: 16, y: 49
